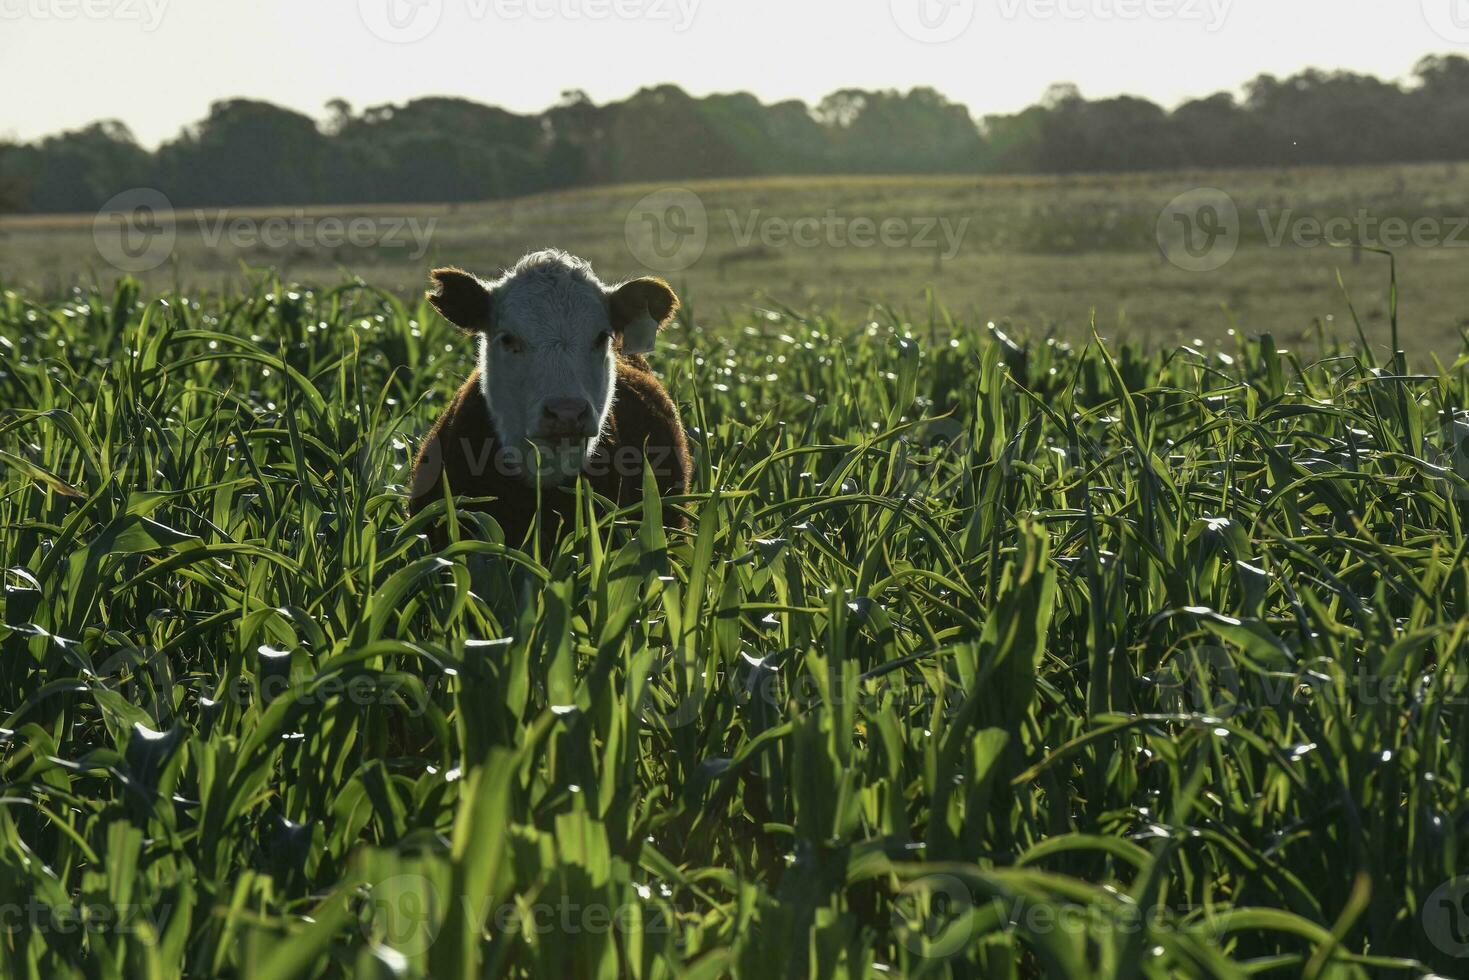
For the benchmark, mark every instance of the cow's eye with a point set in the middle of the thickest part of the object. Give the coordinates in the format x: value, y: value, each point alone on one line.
x: 603, y: 339
x: 510, y: 343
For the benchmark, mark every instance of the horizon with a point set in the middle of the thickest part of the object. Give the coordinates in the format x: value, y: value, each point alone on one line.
x: 1195, y: 48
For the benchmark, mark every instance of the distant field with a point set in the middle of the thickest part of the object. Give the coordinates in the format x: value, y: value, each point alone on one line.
x: 1041, y: 252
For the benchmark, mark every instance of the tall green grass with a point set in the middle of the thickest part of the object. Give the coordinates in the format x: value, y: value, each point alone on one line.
x: 977, y: 659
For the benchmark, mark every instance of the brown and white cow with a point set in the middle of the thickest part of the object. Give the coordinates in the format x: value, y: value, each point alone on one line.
x: 561, y: 391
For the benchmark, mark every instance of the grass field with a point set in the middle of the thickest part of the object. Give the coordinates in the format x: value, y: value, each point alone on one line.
x: 981, y: 657
x: 1039, y: 252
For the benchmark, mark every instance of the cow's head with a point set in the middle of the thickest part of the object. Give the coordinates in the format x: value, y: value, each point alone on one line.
x: 549, y: 333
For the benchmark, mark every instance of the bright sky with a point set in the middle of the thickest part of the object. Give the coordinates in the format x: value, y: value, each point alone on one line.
x: 157, y: 64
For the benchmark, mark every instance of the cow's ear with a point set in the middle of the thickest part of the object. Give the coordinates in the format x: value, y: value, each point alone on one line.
x: 639, y: 309
x: 462, y: 299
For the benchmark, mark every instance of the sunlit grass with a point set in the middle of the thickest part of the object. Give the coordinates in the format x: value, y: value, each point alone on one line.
x: 979, y: 658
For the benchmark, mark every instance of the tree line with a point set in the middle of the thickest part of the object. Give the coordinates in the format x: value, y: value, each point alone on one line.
x: 449, y: 149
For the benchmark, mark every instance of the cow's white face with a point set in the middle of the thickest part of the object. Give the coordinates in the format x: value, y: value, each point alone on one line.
x: 548, y: 368
x: 549, y: 332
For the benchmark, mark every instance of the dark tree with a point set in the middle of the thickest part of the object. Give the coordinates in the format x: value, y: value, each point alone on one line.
x: 245, y: 153
x: 445, y: 149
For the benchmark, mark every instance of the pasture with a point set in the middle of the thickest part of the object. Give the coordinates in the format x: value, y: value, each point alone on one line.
x: 1037, y: 254
x: 983, y: 655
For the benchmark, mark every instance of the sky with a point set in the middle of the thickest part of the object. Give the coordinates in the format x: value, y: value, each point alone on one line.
x: 158, y: 64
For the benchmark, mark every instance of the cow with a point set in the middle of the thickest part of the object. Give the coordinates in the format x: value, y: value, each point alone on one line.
x: 562, y: 391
